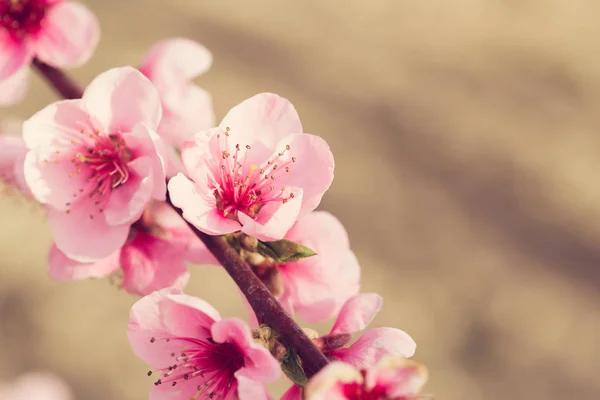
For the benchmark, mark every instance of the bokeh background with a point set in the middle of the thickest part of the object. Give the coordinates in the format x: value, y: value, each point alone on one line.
x: 466, y: 136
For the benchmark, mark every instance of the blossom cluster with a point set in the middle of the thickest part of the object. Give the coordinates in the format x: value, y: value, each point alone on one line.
x: 118, y: 168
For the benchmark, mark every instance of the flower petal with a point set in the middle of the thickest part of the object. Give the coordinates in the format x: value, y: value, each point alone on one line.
x: 188, y: 316
x: 14, y: 55
x: 357, y: 313
x: 147, y: 333
x: 312, y: 169
x: 150, y: 263
x: 62, y: 268
x: 172, y: 63
x: 375, y: 344
x: 274, y: 220
x: 399, y: 376
x: 83, y: 238
x: 328, y: 382
x: 197, y: 209
x: 122, y: 97
x: 260, y: 365
x: 69, y: 36
x: 143, y: 141
x: 13, y: 88
x: 127, y: 202
x: 249, y: 389
x: 264, y: 117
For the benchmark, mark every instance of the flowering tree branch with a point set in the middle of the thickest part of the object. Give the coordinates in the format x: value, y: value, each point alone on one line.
x: 262, y: 301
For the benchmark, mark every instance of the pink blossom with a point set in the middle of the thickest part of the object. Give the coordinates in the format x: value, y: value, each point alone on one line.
x: 36, y: 386
x: 12, y: 156
x: 393, y: 378
x: 196, y: 354
x: 314, y: 287
x: 257, y: 172
x: 97, y: 162
x: 171, y: 65
x: 59, y: 33
x: 354, y: 316
x: 153, y: 258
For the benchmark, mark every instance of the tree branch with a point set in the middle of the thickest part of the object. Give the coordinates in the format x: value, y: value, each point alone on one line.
x: 265, y: 306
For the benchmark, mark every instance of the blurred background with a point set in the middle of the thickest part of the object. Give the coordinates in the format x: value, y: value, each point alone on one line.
x: 466, y: 142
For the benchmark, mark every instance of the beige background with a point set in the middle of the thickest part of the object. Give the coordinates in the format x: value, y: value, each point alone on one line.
x: 466, y: 140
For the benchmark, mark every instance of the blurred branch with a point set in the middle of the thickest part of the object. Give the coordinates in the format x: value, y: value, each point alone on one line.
x: 61, y: 83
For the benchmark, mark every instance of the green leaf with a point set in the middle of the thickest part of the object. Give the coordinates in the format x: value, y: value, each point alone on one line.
x: 284, y: 250
x: 292, y: 367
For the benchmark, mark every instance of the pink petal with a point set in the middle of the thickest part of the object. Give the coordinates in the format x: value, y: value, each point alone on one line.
x: 318, y: 286
x: 312, y: 171
x: 249, y: 389
x: 293, y: 393
x: 186, y: 111
x: 150, y: 263
x: 14, y: 56
x: 172, y: 63
x: 327, y: 384
x: 147, y: 333
x: 53, y: 127
x: 143, y: 141
x: 127, y: 202
x: 82, y: 238
x: 402, y: 378
x: 13, y: 88
x: 260, y: 365
x: 274, y: 220
x: 121, y: 98
x: 69, y: 36
x: 185, y: 390
x: 357, y: 313
x: 374, y: 344
x: 264, y: 117
x: 12, y: 156
x: 198, y: 209
x: 36, y: 386
x: 188, y: 316
x: 63, y: 268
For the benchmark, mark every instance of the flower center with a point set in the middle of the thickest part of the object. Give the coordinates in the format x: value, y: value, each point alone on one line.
x: 358, y: 391
x: 103, y: 164
x: 212, y: 365
x: 241, y: 185
x: 22, y: 17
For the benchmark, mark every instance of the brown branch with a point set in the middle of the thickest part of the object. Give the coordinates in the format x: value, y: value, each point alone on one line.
x: 64, y: 85
x: 265, y: 306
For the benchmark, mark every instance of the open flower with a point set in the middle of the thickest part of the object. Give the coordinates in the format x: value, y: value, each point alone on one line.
x: 315, y: 287
x: 12, y: 156
x: 171, y: 65
x: 394, y: 378
x: 195, y: 353
x: 36, y: 386
x: 97, y: 162
x: 257, y: 172
x: 60, y: 33
x: 371, y: 346
x: 153, y: 258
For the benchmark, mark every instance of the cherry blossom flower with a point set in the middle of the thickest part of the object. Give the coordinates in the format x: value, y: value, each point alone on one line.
x: 315, y: 287
x: 97, y: 162
x: 394, y: 378
x: 153, y: 258
x: 60, y: 33
x: 370, y: 348
x: 196, y: 354
x: 12, y: 156
x: 171, y: 65
x: 257, y: 172
x: 36, y: 386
